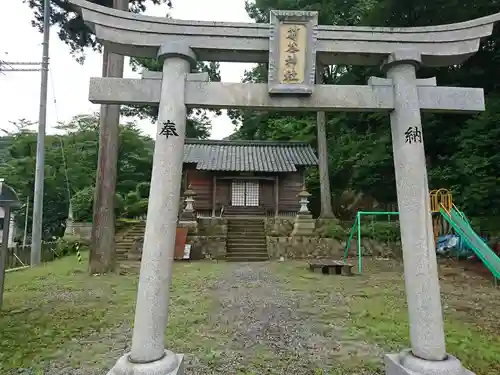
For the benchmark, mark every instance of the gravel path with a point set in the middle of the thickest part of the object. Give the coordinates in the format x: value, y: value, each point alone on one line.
x: 259, y: 327
x: 275, y: 331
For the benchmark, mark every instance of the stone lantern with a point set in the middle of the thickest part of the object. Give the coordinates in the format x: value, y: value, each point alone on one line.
x: 304, y: 201
x: 8, y: 200
x: 304, y: 223
x: 188, y: 213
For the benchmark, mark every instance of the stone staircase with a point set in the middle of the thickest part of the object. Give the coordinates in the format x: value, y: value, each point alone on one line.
x: 128, y: 243
x: 237, y: 211
x: 246, y: 240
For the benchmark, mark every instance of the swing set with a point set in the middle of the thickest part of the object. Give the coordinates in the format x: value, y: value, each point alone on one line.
x: 438, y: 198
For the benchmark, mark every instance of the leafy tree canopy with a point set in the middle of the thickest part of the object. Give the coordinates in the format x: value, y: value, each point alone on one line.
x: 74, y: 32
x: 70, y: 167
x: 461, y: 149
x: 72, y: 29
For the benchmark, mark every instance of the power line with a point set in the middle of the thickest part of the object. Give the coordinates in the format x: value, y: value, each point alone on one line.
x: 20, y: 63
x: 61, y: 143
x: 18, y: 66
x: 19, y: 70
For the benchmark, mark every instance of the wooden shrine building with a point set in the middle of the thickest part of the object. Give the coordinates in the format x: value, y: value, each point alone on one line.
x: 254, y: 178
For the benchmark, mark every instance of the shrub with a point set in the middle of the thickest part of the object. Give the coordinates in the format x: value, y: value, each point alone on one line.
x: 131, y: 198
x: 142, y: 190
x: 124, y: 223
x: 381, y: 231
x: 331, y: 228
x: 137, y: 209
x: 119, y: 205
x: 69, y: 245
x: 83, y: 204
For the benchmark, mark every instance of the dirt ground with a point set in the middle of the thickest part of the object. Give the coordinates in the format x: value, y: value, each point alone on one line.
x: 243, y: 319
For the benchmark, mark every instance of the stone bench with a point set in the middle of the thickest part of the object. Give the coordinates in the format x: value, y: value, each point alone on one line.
x: 328, y: 267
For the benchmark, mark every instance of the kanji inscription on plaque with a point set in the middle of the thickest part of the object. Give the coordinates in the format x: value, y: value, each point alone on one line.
x: 292, y: 52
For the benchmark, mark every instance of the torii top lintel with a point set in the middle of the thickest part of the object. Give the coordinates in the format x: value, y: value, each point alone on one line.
x: 141, y: 36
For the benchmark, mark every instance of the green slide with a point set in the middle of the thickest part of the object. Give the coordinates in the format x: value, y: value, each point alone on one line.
x: 462, y: 227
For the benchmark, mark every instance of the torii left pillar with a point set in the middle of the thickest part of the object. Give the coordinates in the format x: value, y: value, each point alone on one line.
x: 148, y: 355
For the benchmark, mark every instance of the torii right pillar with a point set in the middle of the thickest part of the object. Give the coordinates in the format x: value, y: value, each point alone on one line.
x: 427, y: 355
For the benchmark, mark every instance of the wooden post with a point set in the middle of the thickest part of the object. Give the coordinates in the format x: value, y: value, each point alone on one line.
x: 276, y: 195
x: 214, y: 192
x: 324, y: 176
x: 102, y: 257
x: 4, y: 250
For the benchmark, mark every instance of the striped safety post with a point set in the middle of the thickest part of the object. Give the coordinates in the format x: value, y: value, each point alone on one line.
x: 78, y: 254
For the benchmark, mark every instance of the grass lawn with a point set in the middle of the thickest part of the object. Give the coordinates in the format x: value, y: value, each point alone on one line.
x: 58, y: 317
x: 376, y: 309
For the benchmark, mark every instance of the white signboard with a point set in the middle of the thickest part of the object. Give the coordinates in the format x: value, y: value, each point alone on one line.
x: 187, y: 251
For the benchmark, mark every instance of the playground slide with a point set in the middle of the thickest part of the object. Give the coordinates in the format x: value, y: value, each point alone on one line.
x: 460, y: 223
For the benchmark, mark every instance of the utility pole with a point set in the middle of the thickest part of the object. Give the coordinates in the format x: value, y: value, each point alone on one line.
x: 102, y: 250
x: 36, y: 232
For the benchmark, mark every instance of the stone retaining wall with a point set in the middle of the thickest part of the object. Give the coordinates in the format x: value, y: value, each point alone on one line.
x: 209, y: 241
x: 312, y: 247
x: 279, y: 226
x: 207, y: 247
x: 78, y: 229
x: 327, y: 241
x: 304, y: 247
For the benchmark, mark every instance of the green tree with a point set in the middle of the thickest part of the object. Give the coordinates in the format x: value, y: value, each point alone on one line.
x: 71, y: 160
x: 460, y: 148
x: 198, y: 124
x: 262, y: 125
x: 77, y: 35
x: 72, y: 29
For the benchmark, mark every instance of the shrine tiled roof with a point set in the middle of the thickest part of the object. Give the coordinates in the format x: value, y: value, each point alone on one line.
x: 248, y: 156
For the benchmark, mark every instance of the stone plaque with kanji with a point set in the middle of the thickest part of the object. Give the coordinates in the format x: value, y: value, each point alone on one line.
x: 292, y: 52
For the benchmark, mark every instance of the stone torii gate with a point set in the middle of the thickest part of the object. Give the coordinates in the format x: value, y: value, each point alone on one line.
x: 293, y: 44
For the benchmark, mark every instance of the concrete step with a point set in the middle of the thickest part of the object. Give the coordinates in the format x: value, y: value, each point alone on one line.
x: 246, y: 259
x: 259, y: 252
x: 246, y: 230
x: 130, y: 266
x: 247, y: 238
x: 243, y: 228
x: 240, y: 252
x: 244, y: 221
x: 251, y: 249
x: 246, y: 235
x: 246, y: 241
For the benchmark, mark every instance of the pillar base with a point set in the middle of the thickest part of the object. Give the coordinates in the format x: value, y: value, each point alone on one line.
x: 405, y: 363
x: 170, y: 364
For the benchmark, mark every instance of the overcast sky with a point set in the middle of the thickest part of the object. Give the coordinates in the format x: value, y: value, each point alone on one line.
x: 68, y: 81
